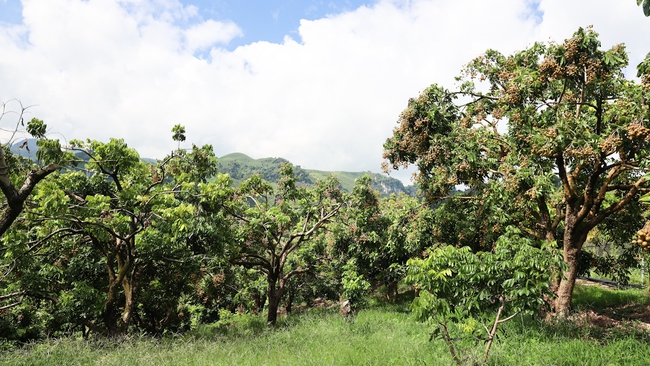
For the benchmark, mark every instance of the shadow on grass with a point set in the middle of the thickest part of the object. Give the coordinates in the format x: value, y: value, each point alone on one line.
x: 599, y: 315
x: 237, y: 326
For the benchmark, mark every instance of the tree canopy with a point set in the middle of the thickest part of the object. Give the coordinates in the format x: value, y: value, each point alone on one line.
x: 276, y: 228
x: 554, y: 139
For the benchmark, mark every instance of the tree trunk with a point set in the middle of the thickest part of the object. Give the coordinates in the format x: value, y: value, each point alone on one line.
x: 275, y: 295
x: 392, y: 291
x: 574, y: 238
x: 260, y: 301
x: 129, y: 289
x: 272, y: 315
x: 116, y: 324
x: 129, y: 282
x: 289, y: 302
x: 567, y: 283
x: 109, y: 314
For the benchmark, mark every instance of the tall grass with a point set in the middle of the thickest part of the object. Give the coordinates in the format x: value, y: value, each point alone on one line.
x: 380, y: 335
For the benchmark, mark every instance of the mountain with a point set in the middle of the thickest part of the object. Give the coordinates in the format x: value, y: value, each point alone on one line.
x: 26, y: 148
x: 240, y: 167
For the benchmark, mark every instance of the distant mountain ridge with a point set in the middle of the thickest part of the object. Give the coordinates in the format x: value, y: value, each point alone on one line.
x: 240, y: 166
x: 26, y: 148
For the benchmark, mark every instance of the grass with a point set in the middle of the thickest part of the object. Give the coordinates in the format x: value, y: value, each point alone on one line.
x: 380, y: 335
x: 595, y: 297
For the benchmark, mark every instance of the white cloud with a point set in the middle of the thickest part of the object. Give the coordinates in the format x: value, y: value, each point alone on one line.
x: 209, y: 33
x: 327, y: 100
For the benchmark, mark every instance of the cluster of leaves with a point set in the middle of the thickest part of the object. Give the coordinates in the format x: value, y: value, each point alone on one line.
x: 116, y: 243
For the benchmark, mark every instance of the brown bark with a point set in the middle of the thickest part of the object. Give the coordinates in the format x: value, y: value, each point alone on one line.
x: 130, y: 280
x: 16, y: 197
x: 288, y: 304
x: 129, y: 302
x: 574, y: 238
x: 567, y: 283
x: 392, y: 291
x: 493, y: 332
x: 260, y: 301
x: 274, y: 301
x: 276, y: 290
x: 123, y: 278
x: 109, y: 313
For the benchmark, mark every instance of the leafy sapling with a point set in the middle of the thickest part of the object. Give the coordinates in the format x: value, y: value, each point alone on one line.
x: 458, y: 288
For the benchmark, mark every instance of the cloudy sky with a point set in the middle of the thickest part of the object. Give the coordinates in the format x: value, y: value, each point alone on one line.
x: 318, y: 82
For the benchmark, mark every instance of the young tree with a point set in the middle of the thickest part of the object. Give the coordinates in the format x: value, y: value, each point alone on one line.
x: 459, y: 288
x: 553, y: 138
x: 276, y: 228
x: 179, y: 134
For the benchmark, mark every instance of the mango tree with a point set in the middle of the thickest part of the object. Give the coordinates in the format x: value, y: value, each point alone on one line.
x: 276, y: 225
x: 19, y: 176
x: 553, y: 138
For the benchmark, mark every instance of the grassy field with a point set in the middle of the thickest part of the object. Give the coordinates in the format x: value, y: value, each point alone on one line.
x: 607, y: 329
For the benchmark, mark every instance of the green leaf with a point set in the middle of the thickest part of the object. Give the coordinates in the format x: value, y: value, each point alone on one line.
x: 37, y: 128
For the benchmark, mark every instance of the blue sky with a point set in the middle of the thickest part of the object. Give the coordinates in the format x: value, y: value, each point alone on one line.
x: 10, y: 11
x: 271, y: 20
x: 325, y: 97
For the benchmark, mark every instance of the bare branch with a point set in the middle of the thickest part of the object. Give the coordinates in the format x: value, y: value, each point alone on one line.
x: 11, y: 295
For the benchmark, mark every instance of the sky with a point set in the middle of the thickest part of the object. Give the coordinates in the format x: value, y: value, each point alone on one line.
x: 320, y: 83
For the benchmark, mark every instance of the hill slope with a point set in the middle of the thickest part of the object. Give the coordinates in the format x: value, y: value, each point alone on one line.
x: 240, y: 167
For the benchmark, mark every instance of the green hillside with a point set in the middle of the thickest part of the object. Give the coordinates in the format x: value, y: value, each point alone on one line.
x: 241, y: 166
